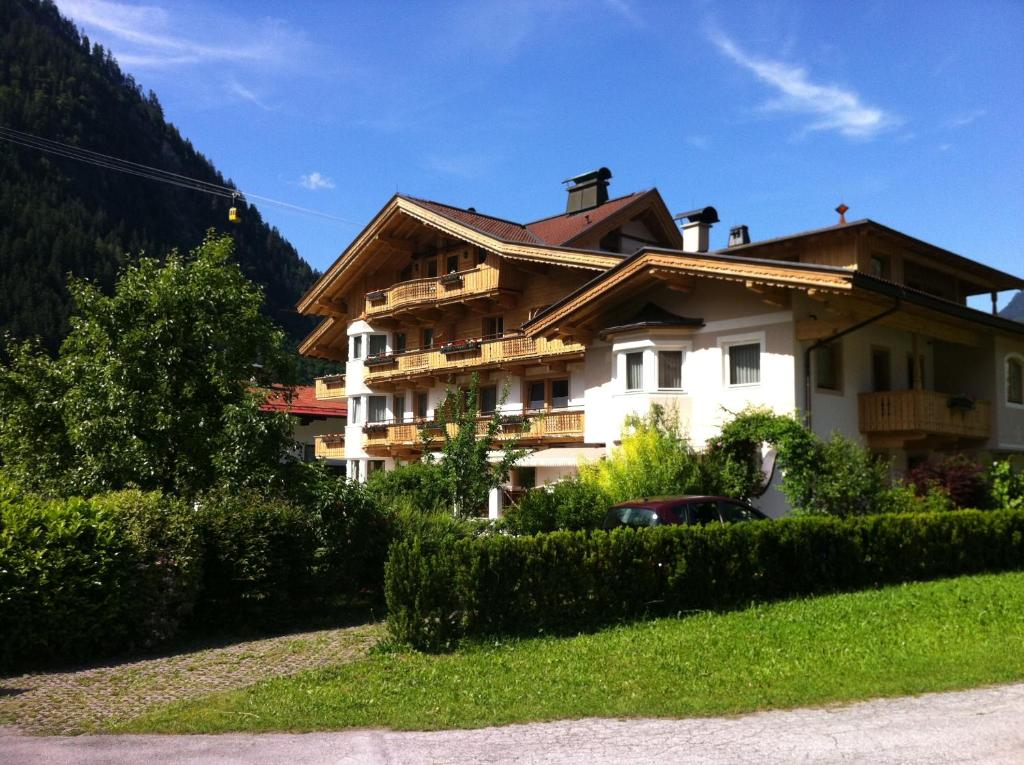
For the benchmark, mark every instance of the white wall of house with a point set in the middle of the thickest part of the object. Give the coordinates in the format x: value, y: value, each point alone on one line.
x: 1009, y: 417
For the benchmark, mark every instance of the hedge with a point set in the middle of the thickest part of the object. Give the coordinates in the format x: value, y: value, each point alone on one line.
x: 567, y: 582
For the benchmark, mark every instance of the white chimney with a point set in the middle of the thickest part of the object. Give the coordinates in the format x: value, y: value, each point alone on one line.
x: 697, y: 228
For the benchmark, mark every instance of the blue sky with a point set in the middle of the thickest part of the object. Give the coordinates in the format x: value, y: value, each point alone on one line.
x: 774, y: 112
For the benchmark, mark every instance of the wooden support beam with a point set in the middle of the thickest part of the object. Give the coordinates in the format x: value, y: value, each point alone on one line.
x: 337, y: 308
x: 402, y: 246
x: 675, y: 281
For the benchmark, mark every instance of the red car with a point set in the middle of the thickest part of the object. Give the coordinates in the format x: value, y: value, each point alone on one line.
x: 680, y: 511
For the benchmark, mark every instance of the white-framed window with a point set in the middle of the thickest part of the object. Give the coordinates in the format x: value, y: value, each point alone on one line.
x: 357, y: 346
x: 670, y: 369
x: 355, y: 410
x: 1015, y: 380
x: 377, y: 409
x: 828, y: 367
x: 635, y: 370
x: 377, y: 345
x: 741, y: 359
x: 650, y: 364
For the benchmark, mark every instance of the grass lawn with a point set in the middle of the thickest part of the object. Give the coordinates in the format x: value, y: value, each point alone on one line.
x: 955, y: 633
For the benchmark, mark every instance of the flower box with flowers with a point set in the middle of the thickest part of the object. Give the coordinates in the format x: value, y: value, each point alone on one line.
x: 451, y: 280
x: 961, y: 403
x: 460, y: 346
x: 379, y: 360
x: 376, y: 295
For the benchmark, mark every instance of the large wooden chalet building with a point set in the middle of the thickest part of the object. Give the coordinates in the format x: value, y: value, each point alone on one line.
x: 614, y: 304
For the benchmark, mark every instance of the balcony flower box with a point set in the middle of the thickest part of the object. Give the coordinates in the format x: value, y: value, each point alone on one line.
x: 375, y: 427
x: 460, y: 346
x: 454, y: 279
x: 511, y: 421
x: 961, y: 403
x: 380, y: 360
x: 376, y: 296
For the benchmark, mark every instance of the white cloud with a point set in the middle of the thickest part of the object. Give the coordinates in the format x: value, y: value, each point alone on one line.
x: 315, y: 181
x: 236, y: 88
x: 626, y: 10
x: 830, y: 106
x: 963, y: 120
x: 148, y: 36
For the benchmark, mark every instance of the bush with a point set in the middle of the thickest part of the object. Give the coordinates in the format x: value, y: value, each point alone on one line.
x: 81, y: 578
x: 569, y: 505
x: 422, y: 484
x: 959, y: 476
x: 1007, y: 486
x: 566, y: 582
x: 847, y: 480
x: 259, y: 559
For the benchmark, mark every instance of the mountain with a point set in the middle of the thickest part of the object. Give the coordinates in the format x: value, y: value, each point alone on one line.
x: 61, y: 216
x: 1015, y: 308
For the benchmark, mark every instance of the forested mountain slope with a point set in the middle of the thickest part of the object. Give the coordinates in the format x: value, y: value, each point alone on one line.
x: 1015, y: 308
x: 60, y: 216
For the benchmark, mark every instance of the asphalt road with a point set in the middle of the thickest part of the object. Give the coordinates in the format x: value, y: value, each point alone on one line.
x: 979, y: 726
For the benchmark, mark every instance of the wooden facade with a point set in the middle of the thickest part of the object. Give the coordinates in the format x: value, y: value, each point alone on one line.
x: 909, y: 418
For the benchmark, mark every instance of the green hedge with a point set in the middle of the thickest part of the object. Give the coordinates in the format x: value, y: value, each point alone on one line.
x: 80, y: 577
x: 566, y: 582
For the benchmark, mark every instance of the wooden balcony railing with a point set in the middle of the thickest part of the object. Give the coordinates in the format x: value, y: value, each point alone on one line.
x: 477, y: 281
x: 919, y: 414
x: 330, y: 387
x: 330, y: 447
x: 553, y: 426
x: 504, y: 351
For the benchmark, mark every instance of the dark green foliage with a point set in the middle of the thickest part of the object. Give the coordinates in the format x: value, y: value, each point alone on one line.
x: 259, y: 556
x: 81, y: 578
x: 59, y: 216
x: 957, y: 475
x: 569, y: 505
x: 153, y: 388
x: 566, y: 582
x: 420, y: 484
x: 847, y: 479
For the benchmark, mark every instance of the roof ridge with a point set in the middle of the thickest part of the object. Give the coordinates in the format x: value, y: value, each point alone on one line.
x: 608, y: 202
x: 462, y: 209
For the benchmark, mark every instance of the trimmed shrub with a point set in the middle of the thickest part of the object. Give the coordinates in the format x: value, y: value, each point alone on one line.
x: 567, y: 582
x: 569, y: 505
x: 259, y: 558
x: 81, y: 578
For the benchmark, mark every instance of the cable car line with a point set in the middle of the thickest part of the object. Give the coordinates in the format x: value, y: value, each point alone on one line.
x: 109, y: 162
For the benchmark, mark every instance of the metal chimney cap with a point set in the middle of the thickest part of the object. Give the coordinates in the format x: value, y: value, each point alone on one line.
x: 601, y: 174
x: 700, y: 215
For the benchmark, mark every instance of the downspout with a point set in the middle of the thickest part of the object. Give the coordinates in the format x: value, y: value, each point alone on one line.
x: 808, y: 397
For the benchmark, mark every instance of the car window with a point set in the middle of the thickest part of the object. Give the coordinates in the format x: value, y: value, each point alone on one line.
x: 704, y: 512
x: 634, y: 517
x: 681, y: 513
x: 734, y: 511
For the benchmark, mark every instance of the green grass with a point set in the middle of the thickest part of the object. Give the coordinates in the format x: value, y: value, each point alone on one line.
x: 914, y: 638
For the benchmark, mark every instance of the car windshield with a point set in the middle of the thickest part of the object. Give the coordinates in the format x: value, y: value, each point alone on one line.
x: 733, y: 511
x: 635, y: 517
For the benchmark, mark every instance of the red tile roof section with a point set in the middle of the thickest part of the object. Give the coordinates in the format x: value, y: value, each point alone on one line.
x: 502, y: 229
x: 559, y: 229
x: 304, y: 403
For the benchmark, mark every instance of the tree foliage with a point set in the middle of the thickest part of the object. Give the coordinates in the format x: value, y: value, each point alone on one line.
x: 153, y: 388
x: 466, y: 471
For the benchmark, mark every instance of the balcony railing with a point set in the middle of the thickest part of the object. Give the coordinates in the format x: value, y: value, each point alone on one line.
x: 330, y: 447
x: 529, y: 427
x: 503, y: 351
x: 915, y: 414
x: 436, y: 289
x: 330, y: 387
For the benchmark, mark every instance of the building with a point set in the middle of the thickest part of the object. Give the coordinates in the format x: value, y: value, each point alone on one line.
x: 614, y: 304
x: 316, y: 416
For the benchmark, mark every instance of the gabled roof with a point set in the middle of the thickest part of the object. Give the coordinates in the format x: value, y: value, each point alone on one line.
x: 562, y: 229
x: 506, y: 230
x: 302, y: 402
x: 653, y: 316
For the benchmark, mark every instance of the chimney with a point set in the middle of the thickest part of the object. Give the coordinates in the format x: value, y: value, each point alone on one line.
x: 739, y: 235
x: 697, y: 228
x: 588, y: 190
x: 842, y: 210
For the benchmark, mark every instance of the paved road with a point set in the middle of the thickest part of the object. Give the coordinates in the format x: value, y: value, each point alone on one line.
x: 980, y: 726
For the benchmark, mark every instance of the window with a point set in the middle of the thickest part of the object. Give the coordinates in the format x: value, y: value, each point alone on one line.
x: 913, y: 370
x: 881, y: 370
x: 494, y: 326
x: 405, y: 274
x: 559, y: 394
x: 451, y: 264
x: 357, y: 347
x: 703, y: 513
x: 398, y: 408
x: 308, y: 452
x: 420, y: 404
x: 880, y: 266
x: 481, y: 257
x: 488, y: 399
x: 733, y: 511
x: 828, y: 367
x: 427, y: 337
x: 353, y: 408
x: 635, y: 371
x: 670, y: 369
x: 353, y: 469
x: 377, y: 345
x: 377, y: 410
x: 399, y: 344
x: 373, y: 466
x: 535, y: 397
x: 431, y: 268
x: 526, y: 477
x: 745, y: 364
x: 1015, y: 380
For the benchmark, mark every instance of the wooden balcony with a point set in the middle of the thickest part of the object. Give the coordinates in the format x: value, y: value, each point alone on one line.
x: 480, y: 283
x: 922, y: 418
x: 330, y: 447
x: 405, y: 439
x: 330, y: 387
x: 511, y: 353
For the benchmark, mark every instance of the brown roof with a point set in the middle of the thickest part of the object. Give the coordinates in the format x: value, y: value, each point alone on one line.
x: 500, y: 228
x: 559, y: 229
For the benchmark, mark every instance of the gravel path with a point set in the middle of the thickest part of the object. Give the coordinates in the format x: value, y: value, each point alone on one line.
x: 83, y: 700
x: 981, y: 726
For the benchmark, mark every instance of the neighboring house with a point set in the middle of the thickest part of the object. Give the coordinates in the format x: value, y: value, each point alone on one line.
x: 604, y: 309
x: 319, y: 413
